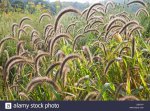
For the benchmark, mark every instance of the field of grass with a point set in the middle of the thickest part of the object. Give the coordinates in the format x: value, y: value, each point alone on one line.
x: 101, y: 53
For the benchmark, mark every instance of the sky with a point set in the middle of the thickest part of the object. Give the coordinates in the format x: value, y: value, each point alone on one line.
x: 81, y: 1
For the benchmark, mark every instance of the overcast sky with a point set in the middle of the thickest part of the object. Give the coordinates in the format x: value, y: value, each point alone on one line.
x: 82, y: 1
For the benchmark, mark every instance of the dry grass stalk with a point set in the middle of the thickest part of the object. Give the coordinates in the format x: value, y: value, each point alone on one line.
x: 27, y: 26
x: 82, y: 79
x: 86, y: 27
x: 88, y: 53
x: 91, y: 7
x: 47, y: 28
x: 92, y: 14
x: 15, y: 25
x: 37, y: 58
x: 97, y: 58
x: 104, y: 48
x: 118, y: 89
x: 127, y: 25
x: 133, y: 47
x: 67, y: 36
x: 75, y: 40
x: 123, y: 14
x: 22, y: 94
x: 20, y: 47
x: 11, y: 62
x: 91, y: 96
x: 70, y: 25
x: 112, y: 27
x: 96, y: 22
x: 33, y: 34
x: 108, y: 65
x: 66, y: 69
x: 69, y: 57
x: 60, y: 55
x: 137, y: 1
x: 107, y: 5
x: 20, y: 32
x: 22, y: 20
x: 134, y: 29
x: 122, y: 50
x: 39, y: 80
x: 100, y: 18
x: 44, y: 15
x: 2, y: 41
x: 84, y: 11
x: 128, y: 98
x: 52, y: 66
x: 113, y: 21
x: 92, y: 30
x: 64, y: 11
x: 48, y: 32
x: 142, y: 10
x: 99, y: 11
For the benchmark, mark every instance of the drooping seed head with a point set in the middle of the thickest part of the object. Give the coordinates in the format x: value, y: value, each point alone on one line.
x: 64, y: 11
x: 22, y: 20
x: 44, y: 15
x: 69, y: 57
x: 137, y: 2
x: 91, y: 7
x: 142, y: 10
x: 39, y: 80
x: 62, y: 35
x: 128, y: 98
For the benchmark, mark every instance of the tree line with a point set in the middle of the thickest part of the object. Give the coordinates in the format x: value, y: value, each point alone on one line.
x: 33, y: 6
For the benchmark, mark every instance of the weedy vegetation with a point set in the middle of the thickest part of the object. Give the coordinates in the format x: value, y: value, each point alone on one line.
x: 98, y: 54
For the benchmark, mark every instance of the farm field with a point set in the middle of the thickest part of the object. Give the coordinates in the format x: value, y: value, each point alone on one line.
x: 100, y: 53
